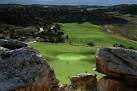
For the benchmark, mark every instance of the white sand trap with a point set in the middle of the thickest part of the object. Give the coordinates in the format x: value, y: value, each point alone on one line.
x: 71, y: 57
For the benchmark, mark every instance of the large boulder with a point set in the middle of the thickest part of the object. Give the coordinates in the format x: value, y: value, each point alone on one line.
x: 110, y: 84
x: 117, y: 62
x: 12, y: 44
x: 84, y: 82
x: 106, y: 84
x: 114, y: 84
x: 24, y: 69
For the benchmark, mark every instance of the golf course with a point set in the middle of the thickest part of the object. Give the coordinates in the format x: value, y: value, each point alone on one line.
x: 75, y: 55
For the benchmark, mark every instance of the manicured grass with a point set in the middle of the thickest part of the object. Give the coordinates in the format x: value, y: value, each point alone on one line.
x: 87, y: 32
x: 67, y: 60
x: 74, y: 56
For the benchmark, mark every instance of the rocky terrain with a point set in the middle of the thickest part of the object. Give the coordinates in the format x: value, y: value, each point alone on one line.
x: 24, y: 69
x: 119, y: 66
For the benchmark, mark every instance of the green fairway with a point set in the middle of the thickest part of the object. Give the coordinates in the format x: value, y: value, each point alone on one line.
x: 75, y: 56
x: 87, y: 32
x: 67, y: 60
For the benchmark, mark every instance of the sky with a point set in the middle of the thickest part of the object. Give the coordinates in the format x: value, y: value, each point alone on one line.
x: 70, y: 2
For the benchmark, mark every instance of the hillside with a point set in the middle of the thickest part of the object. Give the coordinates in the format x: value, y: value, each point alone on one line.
x: 128, y: 30
x: 38, y: 15
x: 127, y: 12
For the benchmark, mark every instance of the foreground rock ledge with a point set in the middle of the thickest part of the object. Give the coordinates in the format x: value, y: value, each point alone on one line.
x: 117, y: 62
x: 81, y: 82
x: 84, y: 82
x: 24, y: 69
x: 114, y: 84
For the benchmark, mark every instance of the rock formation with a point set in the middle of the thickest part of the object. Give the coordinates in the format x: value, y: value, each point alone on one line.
x: 110, y: 84
x: 81, y: 82
x: 117, y: 62
x: 12, y: 44
x: 24, y: 69
x: 115, y: 84
x: 84, y: 82
x: 120, y: 66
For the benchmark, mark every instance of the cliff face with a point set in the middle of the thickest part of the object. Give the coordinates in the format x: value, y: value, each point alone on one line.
x: 24, y: 69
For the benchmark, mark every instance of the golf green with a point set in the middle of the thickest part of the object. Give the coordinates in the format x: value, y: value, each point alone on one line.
x: 70, y: 57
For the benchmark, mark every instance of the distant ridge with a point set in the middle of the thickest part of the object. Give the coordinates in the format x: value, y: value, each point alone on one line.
x: 94, y: 6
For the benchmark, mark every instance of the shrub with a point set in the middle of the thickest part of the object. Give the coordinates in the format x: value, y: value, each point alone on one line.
x: 91, y: 44
x: 130, y: 47
x: 119, y: 45
x: 122, y: 46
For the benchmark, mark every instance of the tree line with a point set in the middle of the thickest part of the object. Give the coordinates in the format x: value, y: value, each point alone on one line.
x: 39, y: 15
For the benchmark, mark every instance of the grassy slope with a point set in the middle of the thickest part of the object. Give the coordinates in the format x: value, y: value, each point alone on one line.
x: 128, y: 30
x: 86, y: 32
x: 75, y: 56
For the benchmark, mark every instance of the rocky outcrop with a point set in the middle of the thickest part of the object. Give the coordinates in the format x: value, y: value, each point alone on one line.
x: 110, y: 84
x: 117, y: 62
x: 120, y: 66
x: 66, y: 88
x: 84, y: 82
x: 24, y: 69
x: 115, y: 84
x: 81, y: 82
x: 12, y: 44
